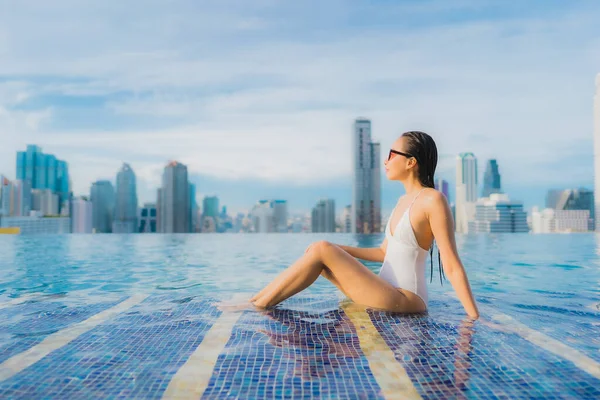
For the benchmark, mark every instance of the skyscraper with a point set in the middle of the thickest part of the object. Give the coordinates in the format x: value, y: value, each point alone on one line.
x: 148, y: 218
x: 174, y: 213
x: 466, y: 190
x: 263, y: 216
x: 210, y: 206
x: 498, y: 214
x: 193, y: 209
x: 347, y: 219
x: 491, y: 179
x: 43, y: 171
x: 323, y: 216
x: 572, y: 200
x: 210, y: 214
x: 126, y: 202
x: 597, y: 153
x: 81, y: 215
x: 366, y: 189
x: 280, y: 216
x: 45, y: 201
x: 102, y: 195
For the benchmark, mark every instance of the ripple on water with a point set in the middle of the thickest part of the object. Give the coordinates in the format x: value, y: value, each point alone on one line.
x: 161, y: 287
x: 566, y: 266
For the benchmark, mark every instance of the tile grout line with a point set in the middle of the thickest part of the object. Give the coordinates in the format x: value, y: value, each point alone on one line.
x: 507, y: 323
x: 191, y: 380
x: 390, y: 375
x: 554, y: 346
x: 23, y: 360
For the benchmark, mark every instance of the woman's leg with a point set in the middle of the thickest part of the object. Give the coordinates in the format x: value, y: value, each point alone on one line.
x: 349, y: 275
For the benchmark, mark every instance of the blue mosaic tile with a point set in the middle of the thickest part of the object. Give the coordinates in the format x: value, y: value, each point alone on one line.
x: 289, y: 352
x: 25, y: 325
x: 448, y: 358
x: 133, y: 355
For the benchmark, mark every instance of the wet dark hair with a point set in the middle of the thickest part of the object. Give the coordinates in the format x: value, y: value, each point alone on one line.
x: 422, y: 147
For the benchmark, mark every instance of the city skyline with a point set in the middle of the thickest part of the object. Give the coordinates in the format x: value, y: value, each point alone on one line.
x: 231, y: 105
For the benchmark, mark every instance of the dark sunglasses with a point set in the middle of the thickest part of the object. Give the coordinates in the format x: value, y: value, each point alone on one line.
x: 392, y: 151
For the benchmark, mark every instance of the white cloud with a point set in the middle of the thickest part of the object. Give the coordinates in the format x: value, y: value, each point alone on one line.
x: 249, y: 94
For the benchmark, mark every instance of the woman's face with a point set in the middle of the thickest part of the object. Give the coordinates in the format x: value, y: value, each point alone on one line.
x: 398, y: 162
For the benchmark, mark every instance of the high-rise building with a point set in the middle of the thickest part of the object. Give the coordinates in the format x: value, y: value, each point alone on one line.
x: 498, y: 214
x: 174, y: 212
x: 323, y: 216
x: 572, y: 200
x: 210, y: 214
x: 263, y: 217
x: 210, y: 206
x: 148, y: 218
x: 126, y: 202
x: 466, y: 190
x: 280, y: 216
x: 366, y: 188
x: 43, y: 171
x: 15, y: 198
x: 442, y: 186
x: 37, y: 225
x: 81, y: 215
x: 45, y: 201
x: 597, y: 154
x: 347, y: 219
x: 193, y: 209
x: 552, y: 220
x: 102, y: 195
x: 491, y: 179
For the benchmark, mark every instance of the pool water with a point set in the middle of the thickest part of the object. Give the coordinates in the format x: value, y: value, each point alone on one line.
x: 138, y: 316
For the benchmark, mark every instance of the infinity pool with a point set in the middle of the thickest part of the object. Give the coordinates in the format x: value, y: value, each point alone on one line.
x: 138, y: 316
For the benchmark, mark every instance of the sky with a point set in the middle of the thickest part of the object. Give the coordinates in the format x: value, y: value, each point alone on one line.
x: 258, y: 97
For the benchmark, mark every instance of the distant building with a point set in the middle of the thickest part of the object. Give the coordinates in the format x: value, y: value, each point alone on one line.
x: 280, y: 215
x: 347, y: 219
x: 442, y: 186
x: 38, y: 225
x: 193, y: 209
x: 466, y: 191
x: 15, y: 198
x: 102, y: 195
x: 174, y: 212
x: 210, y: 206
x: 126, y: 202
x: 366, y: 188
x: 81, y: 215
x: 596, y: 112
x: 573, y: 200
x: 262, y: 217
x: 498, y: 214
x: 323, y: 216
x: 45, y: 201
x: 148, y: 218
x: 491, y: 179
x: 550, y: 220
x: 43, y: 171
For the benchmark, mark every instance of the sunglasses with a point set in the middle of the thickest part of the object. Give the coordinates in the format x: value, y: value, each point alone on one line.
x: 392, y: 151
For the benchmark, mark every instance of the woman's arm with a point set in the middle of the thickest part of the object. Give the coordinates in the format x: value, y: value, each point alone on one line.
x: 442, y: 226
x: 368, y: 253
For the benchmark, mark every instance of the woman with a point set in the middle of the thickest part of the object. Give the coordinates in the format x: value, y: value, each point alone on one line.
x: 418, y: 218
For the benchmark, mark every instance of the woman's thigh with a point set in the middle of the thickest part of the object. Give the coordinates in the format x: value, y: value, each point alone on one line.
x: 360, y: 284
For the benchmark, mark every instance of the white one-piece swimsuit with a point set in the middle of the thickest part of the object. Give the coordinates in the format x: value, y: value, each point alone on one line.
x: 404, y: 262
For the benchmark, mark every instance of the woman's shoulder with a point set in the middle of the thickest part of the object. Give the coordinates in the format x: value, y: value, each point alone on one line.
x: 434, y: 199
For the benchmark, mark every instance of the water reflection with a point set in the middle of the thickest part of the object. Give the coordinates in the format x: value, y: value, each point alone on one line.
x: 318, y: 344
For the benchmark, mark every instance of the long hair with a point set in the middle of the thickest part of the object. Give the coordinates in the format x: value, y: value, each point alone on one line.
x: 422, y: 147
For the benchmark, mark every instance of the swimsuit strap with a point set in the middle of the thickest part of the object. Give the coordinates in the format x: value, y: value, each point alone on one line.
x: 416, y: 197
